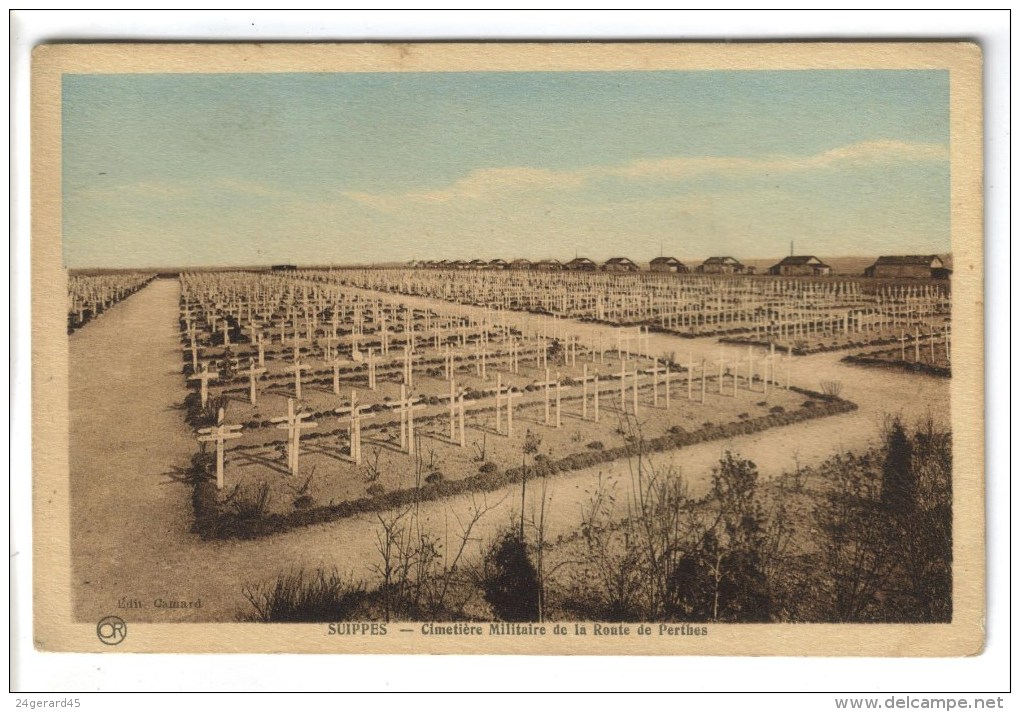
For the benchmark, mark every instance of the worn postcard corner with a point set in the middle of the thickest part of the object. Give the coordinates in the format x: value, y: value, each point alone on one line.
x: 657, y: 348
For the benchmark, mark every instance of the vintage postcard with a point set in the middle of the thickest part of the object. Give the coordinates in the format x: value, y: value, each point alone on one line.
x: 596, y: 349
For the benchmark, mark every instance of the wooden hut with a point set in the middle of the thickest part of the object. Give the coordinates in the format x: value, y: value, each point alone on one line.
x: 668, y: 264
x: 547, y: 266
x: 908, y: 266
x: 721, y: 265
x: 620, y: 264
x: 800, y: 266
x: 581, y: 264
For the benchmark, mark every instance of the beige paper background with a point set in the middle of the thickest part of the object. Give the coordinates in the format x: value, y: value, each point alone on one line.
x: 53, y: 626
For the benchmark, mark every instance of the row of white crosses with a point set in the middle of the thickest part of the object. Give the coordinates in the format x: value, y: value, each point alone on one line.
x: 294, y: 423
x: 95, y: 293
x: 763, y: 368
x: 933, y: 337
x: 685, y: 301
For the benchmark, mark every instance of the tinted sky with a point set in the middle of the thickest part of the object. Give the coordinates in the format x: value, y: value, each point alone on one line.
x: 342, y: 168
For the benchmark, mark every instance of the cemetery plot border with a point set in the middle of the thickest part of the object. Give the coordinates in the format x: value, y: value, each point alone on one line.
x: 890, y: 359
x: 216, y: 518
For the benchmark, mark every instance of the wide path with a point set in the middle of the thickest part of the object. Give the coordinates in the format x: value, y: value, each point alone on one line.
x: 128, y: 442
x: 131, y: 518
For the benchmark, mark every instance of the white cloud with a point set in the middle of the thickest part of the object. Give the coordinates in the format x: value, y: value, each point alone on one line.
x: 489, y: 184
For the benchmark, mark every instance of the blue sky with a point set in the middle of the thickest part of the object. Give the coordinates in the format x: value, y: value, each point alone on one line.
x: 194, y: 170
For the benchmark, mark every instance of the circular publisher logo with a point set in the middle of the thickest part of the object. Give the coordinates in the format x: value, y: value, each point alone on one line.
x: 111, y: 630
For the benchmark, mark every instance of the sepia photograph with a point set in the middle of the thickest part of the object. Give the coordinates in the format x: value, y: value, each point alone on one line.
x: 544, y: 349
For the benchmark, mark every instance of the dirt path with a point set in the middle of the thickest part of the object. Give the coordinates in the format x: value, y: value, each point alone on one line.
x: 131, y: 520
x: 127, y: 512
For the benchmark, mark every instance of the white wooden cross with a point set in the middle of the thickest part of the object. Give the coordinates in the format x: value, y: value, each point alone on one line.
x: 480, y: 355
x: 623, y: 385
x: 505, y: 393
x: 296, y: 368
x: 456, y: 406
x: 704, y: 370
x: 585, y: 379
x: 667, y: 374
x: 384, y: 334
x: 722, y: 369
x: 253, y: 374
x: 559, y: 397
x: 262, y: 349
x: 205, y: 375
x: 334, y: 362
x: 547, y: 385
x: 448, y: 363
x: 371, y: 369
x: 407, y: 405
x: 408, y: 366
x: 354, y: 413
x: 293, y: 424
x: 654, y: 372
x: 623, y: 345
x: 194, y: 351
x: 645, y: 336
x: 218, y: 435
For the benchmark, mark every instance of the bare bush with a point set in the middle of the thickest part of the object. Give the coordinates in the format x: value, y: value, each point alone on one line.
x: 249, y: 502
x: 297, y: 598
x: 832, y: 388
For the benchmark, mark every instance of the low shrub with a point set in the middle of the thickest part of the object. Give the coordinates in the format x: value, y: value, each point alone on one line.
x: 249, y: 502
x: 510, y: 581
x: 297, y: 598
